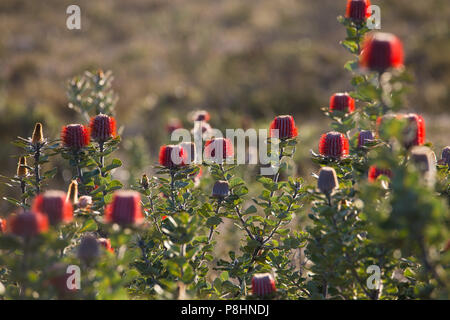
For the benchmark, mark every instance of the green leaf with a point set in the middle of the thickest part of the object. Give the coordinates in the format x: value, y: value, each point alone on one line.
x: 89, y: 225
x: 251, y: 209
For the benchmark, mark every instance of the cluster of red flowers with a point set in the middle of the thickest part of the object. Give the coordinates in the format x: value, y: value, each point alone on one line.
x: 77, y: 136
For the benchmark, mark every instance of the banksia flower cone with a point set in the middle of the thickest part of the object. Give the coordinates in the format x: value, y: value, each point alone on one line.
x: 334, y: 145
x: 38, y: 136
x: 22, y: 170
x: 75, y: 136
x: 221, y: 189
x: 55, y: 206
x: 28, y: 224
x: 102, y: 127
x: 2, y: 225
x: 446, y: 156
x: 375, y: 172
x: 201, y: 115
x: 364, y: 136
x: 342, y: 102
x: 88, y: 249
x: 263, y: 284
x: 173, y: 124
x: 381, y: 51
x: 125, y: 209
x: 414, y: 134
x: 145, y: 182
x: 172, y: 156
x: 105, y: 243
x: 189, y: 150
x: 58, y: 281
x: 84, y: 202
x: 218, y: 149
x: 358, y: 10
x: 72, y: 193
x: 285, y: 126
x: 327, y: 181
x: 425, y: 161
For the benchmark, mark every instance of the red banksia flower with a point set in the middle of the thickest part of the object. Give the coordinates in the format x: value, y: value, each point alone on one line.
x: 364, y: 136
x: 105, y: 243
x: 375, y: 172
x: 125, y: 208
x: 285, y: 126
x: 27, y: 224
x: 263, y: 284
x: 173, y: 124
x: 414, y: 134
x: 2, y: 225
x: 102, y: 127
x: 358, y: 10
x: 218, y: 149
x: 201, y: 115
x: 75, y: 136
x: 382, y: 51
x: 334, y: 145
x: 342, y: 102
x: 189, y: 150
x: 55, y: 206
x: 172, y: 156
x: 58, y: 280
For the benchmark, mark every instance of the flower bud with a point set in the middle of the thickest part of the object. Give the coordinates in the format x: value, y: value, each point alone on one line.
x: 105, y: 243
x: 221, y: 189
x: 125, y: 208
x: 342, y: 102
x: 285, y: 126
x: 144, y: 182
x: 54, y: 204
x: 425, y: 161
x: 172, y: 156
x: 364, y: 136
x: 102, y: 127
x: 263, y: 284
x: 446, y: 156
x: 381, y: 51
x: 334, y: 145
x: 375, y: 172
x: 38, y: 136
x: 218, y: 149
x: 75, y: 136
x: 88, y: 249
x: 358, y: 10
x: 84, y: 202
x: 72, y: 192
x: 327, y: 181
x: 22, y: 170
x: 27, y: 224
x: 189, y: 150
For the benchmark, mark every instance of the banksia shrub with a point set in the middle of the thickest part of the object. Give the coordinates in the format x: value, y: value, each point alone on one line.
x: 334, y: 145
x: 263, y: 284
x: 55, y: 206
x: 375, y: 172
x: 381, y: 51
x: 105, y: 243
x: 364, y: 136
x: 75, y: 136
x: 285, y: 126
x: 327, y: 181
x: 22, y: 170
x: 221, y: 189
x: 445, y: 158
x: 88, y: 249
x: 218, y: 149
x: 425, y: 161
x: 102, y: 127
x: 125, y: 208
x: 38, y: 136
x: 172, y: 156
x: 414, y: 134
x: 27, y: 224
x: 342, y: 102
x: 358, y: 10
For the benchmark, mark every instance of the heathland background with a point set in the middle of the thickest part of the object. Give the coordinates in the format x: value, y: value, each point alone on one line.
x: 244, y: 61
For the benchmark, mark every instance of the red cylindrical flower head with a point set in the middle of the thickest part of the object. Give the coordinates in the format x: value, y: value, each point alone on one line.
x: 75, y: 136
x: 125, y: 208
x: 285, y: 126
x: 201, y: 115
x: 190, y: 151
x: 375, y: 172
x: 103, y: 127
x: 173, y: 124
x: 27, y: 224
x: 172, y: 156
x: 342, y: 102
x: 105, y: 243
x: 218, y: 149
x: 334, y: 145
x: 414, y: 134
x: 263, y: 284
x: 2, y: 225
x: 55, y: 206
x: 364, y: 136
x: 382, y: 51
x: 358, y: 10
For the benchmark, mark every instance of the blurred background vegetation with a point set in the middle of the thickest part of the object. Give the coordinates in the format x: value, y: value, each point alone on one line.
x: 244, y: 61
